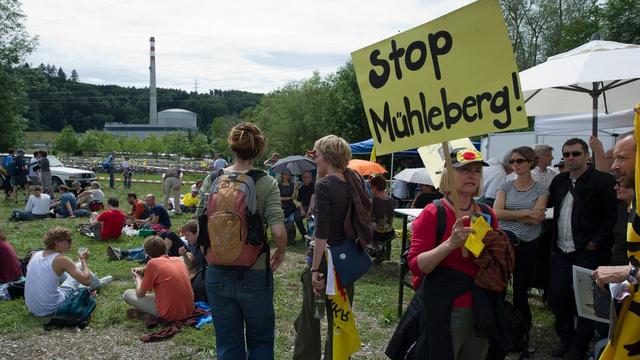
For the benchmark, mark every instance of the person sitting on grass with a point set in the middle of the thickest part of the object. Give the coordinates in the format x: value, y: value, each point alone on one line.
x: 67, y: 205
x: 162, y: 288
x: 52, y: 276
x: 92, y: 198
x: 37, y: 206
x: 108, y: 225
x: 76, y: 188
x: 172, y: 242
x: 194, y: 258
x: 139, y: 209
x: 189, y: 201
x: 10, y: 269
x: 158, y: 219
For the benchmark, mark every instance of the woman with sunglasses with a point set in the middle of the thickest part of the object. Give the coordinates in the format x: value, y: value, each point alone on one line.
x: 443, y: 271
x: 520, y: 205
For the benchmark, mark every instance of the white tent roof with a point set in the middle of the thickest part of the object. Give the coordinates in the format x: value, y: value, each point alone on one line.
x: 580, y: 124
x: 596, y: 61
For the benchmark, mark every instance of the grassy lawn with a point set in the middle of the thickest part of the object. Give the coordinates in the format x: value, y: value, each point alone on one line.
x: 375, y: 299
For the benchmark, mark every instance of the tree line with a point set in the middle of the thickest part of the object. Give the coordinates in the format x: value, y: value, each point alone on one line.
x: 293, y: 116
x: 55, y: 101
x: 94, y: 142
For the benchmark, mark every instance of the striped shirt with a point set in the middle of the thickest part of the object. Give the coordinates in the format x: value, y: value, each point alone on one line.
x: 515, y: 200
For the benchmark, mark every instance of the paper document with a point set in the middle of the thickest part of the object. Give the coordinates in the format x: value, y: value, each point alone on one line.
x: 592, y: 303
x: 474, y: 241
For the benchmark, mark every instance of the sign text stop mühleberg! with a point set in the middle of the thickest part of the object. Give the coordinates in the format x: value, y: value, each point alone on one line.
x: 453, y: 77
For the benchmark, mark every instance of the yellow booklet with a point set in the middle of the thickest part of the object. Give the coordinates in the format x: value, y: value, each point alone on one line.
x: 474, y: 241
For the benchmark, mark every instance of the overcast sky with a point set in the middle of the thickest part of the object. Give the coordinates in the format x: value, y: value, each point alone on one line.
x: 255, y: 46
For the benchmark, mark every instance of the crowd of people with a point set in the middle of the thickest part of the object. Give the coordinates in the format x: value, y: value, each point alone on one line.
x: 226, y: 243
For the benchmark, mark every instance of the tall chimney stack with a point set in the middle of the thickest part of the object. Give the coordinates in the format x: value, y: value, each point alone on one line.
x: 153, y: 103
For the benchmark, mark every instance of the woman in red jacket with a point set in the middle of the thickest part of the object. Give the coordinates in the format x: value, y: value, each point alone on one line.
x: 445, y: 267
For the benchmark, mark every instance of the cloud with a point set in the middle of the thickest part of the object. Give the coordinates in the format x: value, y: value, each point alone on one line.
x: 251, y: 45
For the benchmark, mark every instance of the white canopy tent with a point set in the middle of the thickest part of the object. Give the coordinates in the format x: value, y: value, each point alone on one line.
x: 600, y: 76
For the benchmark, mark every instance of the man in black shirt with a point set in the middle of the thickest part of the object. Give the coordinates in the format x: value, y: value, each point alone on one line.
x: 305, y: 191
x: 45, y: 174
x: 19, y: 177
x: 585, y: 208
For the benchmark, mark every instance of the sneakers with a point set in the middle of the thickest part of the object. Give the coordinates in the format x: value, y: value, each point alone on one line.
x: 105, y: 281
x: 114, y: 253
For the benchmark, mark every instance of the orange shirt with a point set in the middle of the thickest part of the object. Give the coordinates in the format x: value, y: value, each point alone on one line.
x: 169, y: 279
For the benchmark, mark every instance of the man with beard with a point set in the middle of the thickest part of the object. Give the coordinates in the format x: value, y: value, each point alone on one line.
x: 625, y: 343
x: 624, y: 161
x: 585, y: 208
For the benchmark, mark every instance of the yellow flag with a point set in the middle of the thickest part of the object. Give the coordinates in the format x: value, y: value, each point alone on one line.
x: 346, y: 339
x: 625, y: 343
x: 373, y: 154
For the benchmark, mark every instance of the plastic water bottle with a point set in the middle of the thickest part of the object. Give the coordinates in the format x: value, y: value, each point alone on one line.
x: 318, y: 306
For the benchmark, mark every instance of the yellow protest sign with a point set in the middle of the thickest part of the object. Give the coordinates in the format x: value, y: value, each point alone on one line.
x: 432, y: 157
x: 453, y: 77
x: 474, y: 241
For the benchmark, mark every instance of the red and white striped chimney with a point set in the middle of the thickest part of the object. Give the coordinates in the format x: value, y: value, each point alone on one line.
x: 153, y: 103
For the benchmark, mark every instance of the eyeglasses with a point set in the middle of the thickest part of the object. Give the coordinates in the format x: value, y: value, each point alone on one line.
x: 571, y: 153
x: 518, y: 161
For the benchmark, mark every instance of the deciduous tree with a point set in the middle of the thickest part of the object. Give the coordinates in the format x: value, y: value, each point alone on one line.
x: 15, y: 44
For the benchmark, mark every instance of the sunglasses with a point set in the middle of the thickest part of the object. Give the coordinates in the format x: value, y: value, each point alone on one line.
x: 572, y: 153
x: 518, y: 161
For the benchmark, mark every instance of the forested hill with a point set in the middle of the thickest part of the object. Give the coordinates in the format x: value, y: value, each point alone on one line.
x: 56, y: 100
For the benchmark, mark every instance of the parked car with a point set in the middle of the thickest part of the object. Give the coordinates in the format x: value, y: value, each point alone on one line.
x: 61, y: 174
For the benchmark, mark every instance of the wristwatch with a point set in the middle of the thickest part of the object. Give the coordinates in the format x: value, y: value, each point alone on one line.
x: 633, y: 275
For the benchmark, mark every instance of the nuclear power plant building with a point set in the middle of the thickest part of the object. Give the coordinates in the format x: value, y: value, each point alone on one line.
x: 170, y: 120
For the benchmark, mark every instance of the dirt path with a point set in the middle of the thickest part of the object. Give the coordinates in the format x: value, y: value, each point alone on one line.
x: 112, y: 343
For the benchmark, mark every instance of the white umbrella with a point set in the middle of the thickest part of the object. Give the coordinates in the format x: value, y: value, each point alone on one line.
x: 578, y: 124
x: 414, y: 175
x: 598, y: 75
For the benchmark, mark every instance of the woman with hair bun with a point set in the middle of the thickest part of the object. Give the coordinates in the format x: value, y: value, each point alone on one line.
x: 241, y: 298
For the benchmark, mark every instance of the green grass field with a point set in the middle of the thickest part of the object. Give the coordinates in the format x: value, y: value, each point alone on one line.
x: 375, y: 299
x: 375, y: 304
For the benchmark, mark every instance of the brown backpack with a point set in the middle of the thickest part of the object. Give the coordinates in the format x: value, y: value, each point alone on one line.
x: 236, y: 231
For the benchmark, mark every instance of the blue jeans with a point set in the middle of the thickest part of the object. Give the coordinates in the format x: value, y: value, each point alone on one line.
x: 239, y: 299
x: 111, y: 177
x: 126, y: 182
x: 135, y: 254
